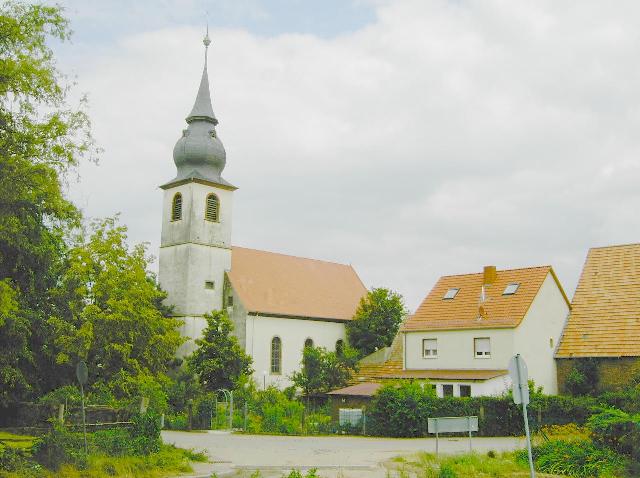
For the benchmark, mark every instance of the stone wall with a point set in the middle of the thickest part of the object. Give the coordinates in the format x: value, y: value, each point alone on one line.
x: 613, y: 373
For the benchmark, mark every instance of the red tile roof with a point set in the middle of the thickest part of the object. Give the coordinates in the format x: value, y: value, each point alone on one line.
x: 278, y: 284
x: 462, y: 312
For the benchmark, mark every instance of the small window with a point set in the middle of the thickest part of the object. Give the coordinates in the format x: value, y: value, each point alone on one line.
x: 230, y: 300
x: 176, y: 207
x: 212, y: 209
x: 550, y: 342
x: 339, y: 347
x: 209, y: 284
x: 465, y: 390
x: 276, y: 355
x: 511, y: 289
x: 308, y: 343
x: 482, y: 347
x: 450, y: 294
x: 447, y: 390
x: 430, y: 348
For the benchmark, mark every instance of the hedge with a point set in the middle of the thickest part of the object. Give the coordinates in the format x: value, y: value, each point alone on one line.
x: 402, y: 409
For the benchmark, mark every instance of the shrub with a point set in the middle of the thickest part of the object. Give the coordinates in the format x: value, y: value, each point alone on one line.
x: 145, y: 434
x: 60, y: 446
x: 617, y: 430
x: 13, y: 459
x: 447, y: 471
x: 579, y: 459
x: 179, y: 421
x: 401, y: 410
x: 114, y: 442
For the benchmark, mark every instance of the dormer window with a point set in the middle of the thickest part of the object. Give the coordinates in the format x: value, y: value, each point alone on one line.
x: 176, y: 207
x: 511, y: 288
x: 212, y: 209
x: 450, y: 294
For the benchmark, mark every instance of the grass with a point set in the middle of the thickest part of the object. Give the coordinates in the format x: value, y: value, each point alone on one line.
x: 11, y: 440
x: 472, y: 465
x: 169, y: 461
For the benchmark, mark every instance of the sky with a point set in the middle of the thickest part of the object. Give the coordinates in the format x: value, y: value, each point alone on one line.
x: 411, y: 139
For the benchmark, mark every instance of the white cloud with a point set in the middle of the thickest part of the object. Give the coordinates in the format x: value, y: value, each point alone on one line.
x: 443, y: 137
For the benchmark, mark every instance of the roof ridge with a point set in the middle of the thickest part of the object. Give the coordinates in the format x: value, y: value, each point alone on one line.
x: 616, y: 245
x: 548, y: 266
x: 295, y: 257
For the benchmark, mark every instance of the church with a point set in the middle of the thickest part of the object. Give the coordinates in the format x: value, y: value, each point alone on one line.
x: 278, y: 303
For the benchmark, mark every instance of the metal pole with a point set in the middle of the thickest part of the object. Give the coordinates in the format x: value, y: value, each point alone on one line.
x: 532, y: 472
x: 469, y: 427
x: 84, y: 423
x: 231, y: 410
x: 436, y: 424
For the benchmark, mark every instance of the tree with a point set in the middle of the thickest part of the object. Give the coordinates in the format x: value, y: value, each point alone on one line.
x: 41, y: 139
x: 323, y: 371
x: 219, y: 361
x: 112, y: 312
x: 376, y: 321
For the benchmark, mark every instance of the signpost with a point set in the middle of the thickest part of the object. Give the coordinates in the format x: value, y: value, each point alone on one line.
x: 82, y: 374
x: 452, y: 425
x: 519, y: 376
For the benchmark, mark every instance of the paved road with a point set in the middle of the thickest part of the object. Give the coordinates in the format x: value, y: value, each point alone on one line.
x: 238, y: 451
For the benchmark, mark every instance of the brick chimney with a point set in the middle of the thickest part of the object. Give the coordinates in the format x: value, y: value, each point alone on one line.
x: 490, y: 275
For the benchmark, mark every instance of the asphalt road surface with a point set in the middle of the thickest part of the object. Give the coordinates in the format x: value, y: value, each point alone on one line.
x: 345, y: 456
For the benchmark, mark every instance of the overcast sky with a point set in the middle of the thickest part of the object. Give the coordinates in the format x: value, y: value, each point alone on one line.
x: 411, y: 139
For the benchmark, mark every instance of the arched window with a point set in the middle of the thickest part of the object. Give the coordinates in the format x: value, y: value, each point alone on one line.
x: 176, y: 207
x: 308, y: 343
x: 212, y: 210
x: 276, y: 355
x: 339, y: 347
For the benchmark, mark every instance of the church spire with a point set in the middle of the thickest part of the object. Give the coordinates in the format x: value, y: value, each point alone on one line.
x: 199, y: 153
x: 202, y: 109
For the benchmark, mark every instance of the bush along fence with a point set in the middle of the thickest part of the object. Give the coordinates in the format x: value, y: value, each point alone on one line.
x: 402, y: 410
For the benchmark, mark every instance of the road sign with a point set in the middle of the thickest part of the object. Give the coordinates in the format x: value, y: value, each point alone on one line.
x: 520, y: 379
x: 82, y: 373
x: 452, y: 425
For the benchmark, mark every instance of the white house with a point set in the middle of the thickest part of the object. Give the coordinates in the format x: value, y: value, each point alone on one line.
x: 468, y: 327
x: 276, y: 302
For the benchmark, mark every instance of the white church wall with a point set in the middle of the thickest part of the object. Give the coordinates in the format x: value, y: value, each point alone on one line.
x: 185, y: 271
x: 293, y: 333
x: 193, y: 227
x: 192, y: 328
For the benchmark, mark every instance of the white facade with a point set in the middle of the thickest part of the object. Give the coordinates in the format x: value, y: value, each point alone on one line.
x: 194, y: 255
x: 535, y: 339
x: 293, y: 333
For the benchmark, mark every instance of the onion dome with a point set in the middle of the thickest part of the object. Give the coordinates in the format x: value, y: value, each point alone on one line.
x: 199, y: 153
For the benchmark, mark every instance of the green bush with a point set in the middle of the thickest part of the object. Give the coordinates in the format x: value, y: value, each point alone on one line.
x: 272, y: 412
x: 114, y: 442
x: 401, y: 410
x: 580, y: 459
x: 179, y: 421
x: 145, y: 434
x: 447, y: 471
x: 60, y: 446
x: 617, y: 430
x: 13, y: 459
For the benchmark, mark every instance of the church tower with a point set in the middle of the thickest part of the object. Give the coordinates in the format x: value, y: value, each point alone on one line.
x: 195, y: 246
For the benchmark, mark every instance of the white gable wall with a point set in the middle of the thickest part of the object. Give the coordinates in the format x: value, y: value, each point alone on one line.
x: 293, y: 333
x: 538, y: 335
